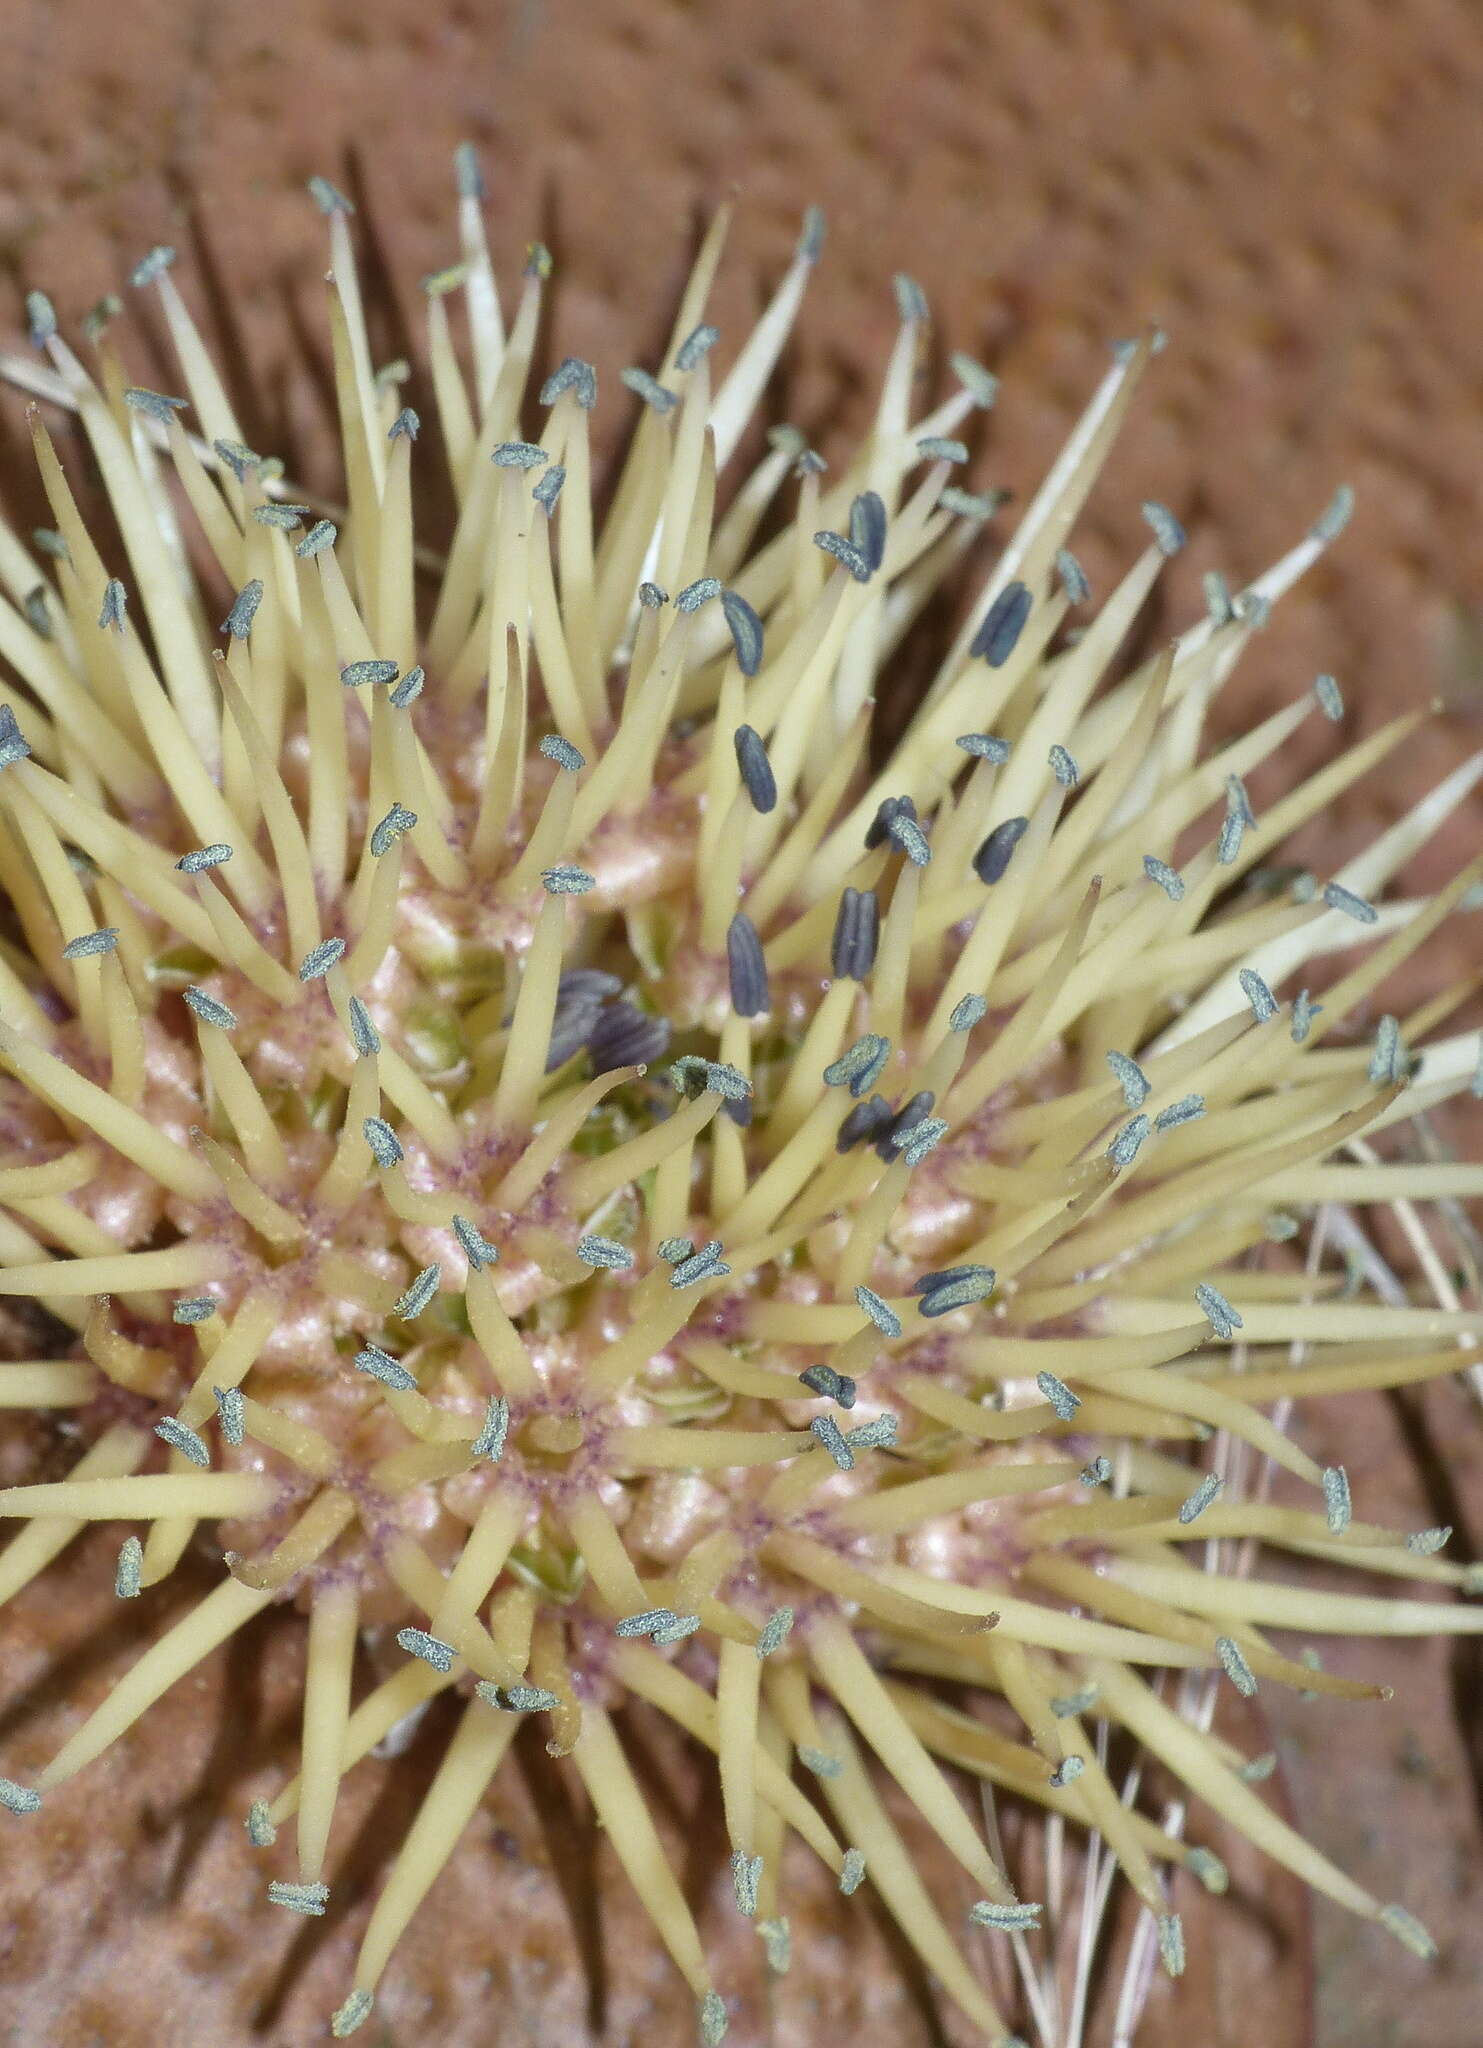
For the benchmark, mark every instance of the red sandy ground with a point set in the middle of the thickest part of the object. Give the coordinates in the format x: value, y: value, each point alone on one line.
x: 1296, y: 193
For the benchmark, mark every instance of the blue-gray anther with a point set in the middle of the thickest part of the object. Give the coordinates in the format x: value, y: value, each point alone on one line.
x: 868, y: 527
x: 259, y: 1824
x: 386, y: 1148
x: 1304, y: 1010
x: 1235, y: 1666
x: 880, y: 1312
x: 363, y: 1034
x: 694, y: 595
x: 38, y: 617
x: 755, y: 768
x: 405, y: 427
x: 961, y: 1291
x: 1335, y: 515
x: 104, y: 940
x: 1059, y: 1395
x: 905, y: 1123
x: 652, y: 596
x: 284, y: 517
x: 879, y: 1435
x: 605, y: 1253
x: 696, y: 346
x: 209, y: 1010
x: 1330, y: 698
x: 468, y: 178
x: 1427, y: 1542
x: 860, y: 1065
x: 1409, y: 1932
x: 746, y: 1875
x: 355, y: 674
x: 1232, y: 832
x: 431, y: 1649
x: 745, y: 628
x: 349, y: 2016
x: 567, y: 880
x: 712, y: 2020
x: 857, y: 931
x: 1131, y: 1078
x: 1263, y: 1002
x: 865, y: 1124
x: 970, y: 1011
x: 775, y: 1631
x: 1073, y: 577
x: 747, y: 968
x: 115, y: 605
x: 408, y: 689
x: 1015, y: 1919
x: 1075, y: 1702
x: 204, y: 857
x: 238, y: 621
x: 327, y: 197
x: 1258, y: 1769
x: 1200, y: 1499
x: 852, y: 1876
x: 1253, y: 609
x: 538, y: 263
x: 1281, y: 1228
x: 548, y: 488
x: 991, y: 861
x: 308, y: 1899
x: 574, y: 375
x: 1171, y: 1943
x: 911, y: 300
x: 829, y: 1385
x: 519, y: 455
x: 831, y: 1438
x: 153, y: 404
x: 18, y: 1798
x: 475, y: 1246
x: 181, y: 1437
x: 377, y: 1364
x: 906, y: 834
x: 1218, y: 606
x: 128, y: 1574
x: 706, y: 1264
x: 398, y: 820
x: 810, y: 463
x: 980, y: 384
x: 239, y: 459
x: 675, y: 1630
x: 889, y: 807
x: 1063, y: 767
x: 517, y: 1699
x: 14, y: 745
x: 1067, y: 1772
x: 1128, y: 1142
x: 673, y: 1249
x: 1337, y: 897
x: 939, y: 448
x: 976, y: 506
x: 845, y: 552
x: 1168, y: 534
x: 562, y: 752
x: 1387, y: 1060
x: 41, y: 319
x: 1208, y: 1868
x: 729, y: 1082
x: 984, y: 746
x: 1167, y: 878
x: 324, y: 956
x: 1097, y: 1473
x: 658, y: 397
x: 927, y: 1283
x: 1238, y: 802
x: 644, y: 1624
x: 419, y: 1294
x: 1336, y: 1498
x: 196, y: 1308
x: 152, y: 266
x: 1223, y: 1318
x: 810, y: 242
x: 490, y: 1442
x: 1184, y: 1111
x: 1004, y: 621
x: 321, y: 535
x: 231, y: 1414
